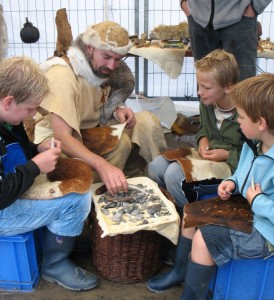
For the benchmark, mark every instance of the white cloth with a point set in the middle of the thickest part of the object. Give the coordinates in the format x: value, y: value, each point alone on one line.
x: 167, y: 225
x: 162, y: 107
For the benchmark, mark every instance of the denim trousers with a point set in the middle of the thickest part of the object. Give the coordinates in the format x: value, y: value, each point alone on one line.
x: 225, y: 244
x: 240, y: 39
x: 63, y: 216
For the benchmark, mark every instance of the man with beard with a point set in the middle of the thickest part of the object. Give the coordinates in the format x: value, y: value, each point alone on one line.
x: 78, y: 94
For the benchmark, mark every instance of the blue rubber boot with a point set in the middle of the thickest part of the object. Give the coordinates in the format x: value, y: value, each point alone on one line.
x: 57, y: 267
x: 197, y: 280
x: 163, y: 282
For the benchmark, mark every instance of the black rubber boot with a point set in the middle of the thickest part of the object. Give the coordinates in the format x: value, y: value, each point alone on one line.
x: 163, y: 282
x: 57, y: 267
x: 197, y: 280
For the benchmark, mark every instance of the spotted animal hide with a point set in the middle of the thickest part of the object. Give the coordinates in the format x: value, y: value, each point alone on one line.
x: 195, y: 167
x: 70, y: 176
x: 102, y: 140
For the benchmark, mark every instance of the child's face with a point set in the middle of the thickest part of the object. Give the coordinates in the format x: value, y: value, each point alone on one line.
x: 248, y: 127
x: 209, y: 89
x: 16, y: 113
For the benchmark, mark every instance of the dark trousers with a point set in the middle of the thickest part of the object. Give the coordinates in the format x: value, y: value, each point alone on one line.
x: 239, y: 39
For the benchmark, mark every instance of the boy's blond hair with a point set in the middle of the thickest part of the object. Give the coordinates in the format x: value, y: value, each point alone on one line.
x: 255, y: 95
x: 22, y: 78
x: 222, y: 65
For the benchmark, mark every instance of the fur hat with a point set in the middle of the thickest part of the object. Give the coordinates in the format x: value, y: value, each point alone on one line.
x: 107, y: 36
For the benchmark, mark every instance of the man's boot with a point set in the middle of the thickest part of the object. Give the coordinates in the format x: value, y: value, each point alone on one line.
x: 57, y: 267
x: 197, y: 280
x: 160, y: 283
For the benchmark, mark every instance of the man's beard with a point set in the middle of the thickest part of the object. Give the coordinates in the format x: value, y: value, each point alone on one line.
x: 98, y: 72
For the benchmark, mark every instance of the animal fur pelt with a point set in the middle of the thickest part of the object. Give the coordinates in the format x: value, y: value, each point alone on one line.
x: 185, y: 125
x: 64, y: 34
x: 195, y: 167
x: 122, y: 83
x: 234, y: 213
x: 169, y: 32
x: 102, y: 140
x: 69, y: 176
x: 3, y: 35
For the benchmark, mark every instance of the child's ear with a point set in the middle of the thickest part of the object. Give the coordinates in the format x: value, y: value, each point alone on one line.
x: 7, y: 102
x: 262, y: 124
x: 229, y: 88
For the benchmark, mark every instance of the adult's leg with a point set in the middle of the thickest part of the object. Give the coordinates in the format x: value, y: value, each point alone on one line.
x: 202, y: 41
x: 241, y: 39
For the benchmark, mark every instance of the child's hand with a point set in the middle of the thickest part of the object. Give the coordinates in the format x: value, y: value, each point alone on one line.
x: 216, y: 154
x: 48, y: 144
x: 253, y: 191
x: 46, y: 160
x: 225, y: 189
x: 203, y: 146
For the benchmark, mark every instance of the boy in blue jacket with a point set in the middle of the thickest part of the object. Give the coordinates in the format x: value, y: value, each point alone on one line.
x: 22, y: 88
x: 253, y: 179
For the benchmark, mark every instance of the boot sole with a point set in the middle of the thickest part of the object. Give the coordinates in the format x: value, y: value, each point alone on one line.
x: 158, y: 292
x: 49, y: 279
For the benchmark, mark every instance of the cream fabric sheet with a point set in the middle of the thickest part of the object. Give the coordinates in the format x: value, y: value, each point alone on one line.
x: 168, y: 226
x: 170, y: 60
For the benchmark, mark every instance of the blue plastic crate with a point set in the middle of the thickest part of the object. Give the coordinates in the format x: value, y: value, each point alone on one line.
x: 20, y: 261
x: 245, y: 279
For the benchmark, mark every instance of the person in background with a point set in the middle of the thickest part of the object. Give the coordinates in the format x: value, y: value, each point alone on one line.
x: 22, y: 88
x: 254, y: 179
x: 78, y: 94
x: 228, y: 25
x: 218, y: 141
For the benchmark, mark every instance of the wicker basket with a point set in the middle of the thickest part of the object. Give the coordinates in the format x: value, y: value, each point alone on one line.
x: 126, y: 258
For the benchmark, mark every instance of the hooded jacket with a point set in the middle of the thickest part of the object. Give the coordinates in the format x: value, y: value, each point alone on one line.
x: 261, y: 169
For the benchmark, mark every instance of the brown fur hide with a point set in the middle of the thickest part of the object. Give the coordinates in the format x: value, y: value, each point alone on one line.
x: 168, y: 32
x: 234, y: 213
x: 195, y: 167
x: 64, y: 35
x: 102, y: 140
x: 70, y: 176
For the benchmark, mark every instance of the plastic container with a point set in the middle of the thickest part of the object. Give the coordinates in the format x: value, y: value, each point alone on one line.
x: 20, y: 261
x: 245, y: 279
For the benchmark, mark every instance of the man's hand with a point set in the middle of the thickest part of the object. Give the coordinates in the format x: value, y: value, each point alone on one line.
x: 113, y: 178
x: 125, y: 114
x: 184, y: 8
x: 249, y: 12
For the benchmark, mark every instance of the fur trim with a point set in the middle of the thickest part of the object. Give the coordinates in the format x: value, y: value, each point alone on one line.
x: 108, y: 36
x: 46, y: 65
x: 82, y: 68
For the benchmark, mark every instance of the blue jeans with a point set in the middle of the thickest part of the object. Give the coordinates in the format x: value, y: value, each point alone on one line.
x: 63, y: 216
x: 240, y: 39
x: 170, y: 176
